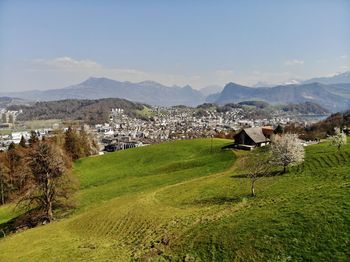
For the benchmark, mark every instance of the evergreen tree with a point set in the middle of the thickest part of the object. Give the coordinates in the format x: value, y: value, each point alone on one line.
x: 12, y: 146
x: 22, y: 143
x: 278, y: 130
x: 84, y: 141
x: 33, y: 138
x: 72, y: 144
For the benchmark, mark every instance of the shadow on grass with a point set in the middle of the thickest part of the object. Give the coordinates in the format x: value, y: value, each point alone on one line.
x: 270, y: 174
x: 215, y: 201
x: 22, y: 222
x: 6, y: 228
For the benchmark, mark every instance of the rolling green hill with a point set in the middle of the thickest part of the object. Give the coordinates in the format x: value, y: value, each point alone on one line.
x: 179, y: 202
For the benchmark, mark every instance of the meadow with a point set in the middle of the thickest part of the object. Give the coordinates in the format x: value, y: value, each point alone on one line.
x: 182, y: 201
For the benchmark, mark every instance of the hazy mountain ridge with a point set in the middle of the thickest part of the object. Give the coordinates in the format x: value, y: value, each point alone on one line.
x: 212, y: 89
x: 95, y: 88
x: 332, y: 97
x: 6, y: 101
x: 341, y: 78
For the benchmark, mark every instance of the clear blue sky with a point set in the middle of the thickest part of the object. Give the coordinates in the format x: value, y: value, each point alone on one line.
x: 51, y: 44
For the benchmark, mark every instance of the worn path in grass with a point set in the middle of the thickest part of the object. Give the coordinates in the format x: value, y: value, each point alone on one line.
x: 111, y: 187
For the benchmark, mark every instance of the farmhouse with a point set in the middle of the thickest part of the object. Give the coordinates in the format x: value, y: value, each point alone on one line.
x: 122, y: 145
x: 248, y: 138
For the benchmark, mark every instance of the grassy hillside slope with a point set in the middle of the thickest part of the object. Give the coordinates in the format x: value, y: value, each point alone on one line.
x: 179, y: 202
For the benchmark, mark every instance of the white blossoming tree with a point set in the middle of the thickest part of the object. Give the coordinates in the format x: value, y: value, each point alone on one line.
x: 287, y: 150
x: 338, y: 139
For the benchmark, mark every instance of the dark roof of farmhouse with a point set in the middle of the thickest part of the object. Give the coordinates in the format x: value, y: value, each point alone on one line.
x: 256, y: 134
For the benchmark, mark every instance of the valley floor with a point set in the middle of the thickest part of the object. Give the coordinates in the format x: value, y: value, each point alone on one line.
x: 182, y: 201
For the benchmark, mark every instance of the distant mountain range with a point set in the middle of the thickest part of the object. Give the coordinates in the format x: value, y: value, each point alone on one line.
x: 334, y: 97
x: 95, y: 88
x: 6, y: 101
x: 211, y: 90
x: 341, y: 78
x: 333, y: 93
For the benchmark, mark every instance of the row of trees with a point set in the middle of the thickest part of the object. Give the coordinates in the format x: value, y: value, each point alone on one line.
x: 36, y: 175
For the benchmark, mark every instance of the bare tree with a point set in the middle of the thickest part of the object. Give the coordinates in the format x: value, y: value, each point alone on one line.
x: 256, y: 165
x: 48, y: 166
x: 287, y: 150
x: 338, y: 139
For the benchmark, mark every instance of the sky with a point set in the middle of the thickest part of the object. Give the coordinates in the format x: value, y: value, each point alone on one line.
x: 53, y: 44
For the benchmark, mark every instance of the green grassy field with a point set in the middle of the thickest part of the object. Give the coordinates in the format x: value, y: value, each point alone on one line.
x: 5, y: 131
x: 37, y: 124
x: 179, y: 202
x: 145, y: 112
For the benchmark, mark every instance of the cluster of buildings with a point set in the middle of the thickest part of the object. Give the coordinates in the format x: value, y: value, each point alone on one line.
x: 175, y: 123
x: 8, y: 118
x: 159, y: 124
x: 15, y: 137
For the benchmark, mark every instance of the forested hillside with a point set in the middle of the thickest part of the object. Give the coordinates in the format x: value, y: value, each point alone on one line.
x: 89, y: 111
x: 321, y: 129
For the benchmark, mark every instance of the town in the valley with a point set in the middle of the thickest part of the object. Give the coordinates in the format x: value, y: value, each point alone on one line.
x: 161, y: 124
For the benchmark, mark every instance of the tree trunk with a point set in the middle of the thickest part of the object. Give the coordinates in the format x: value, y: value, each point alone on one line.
x: 284, y: 169
x: 48, y: 198
x: 49, y: 212
x: 2, y: 192
x: 253, y: 188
